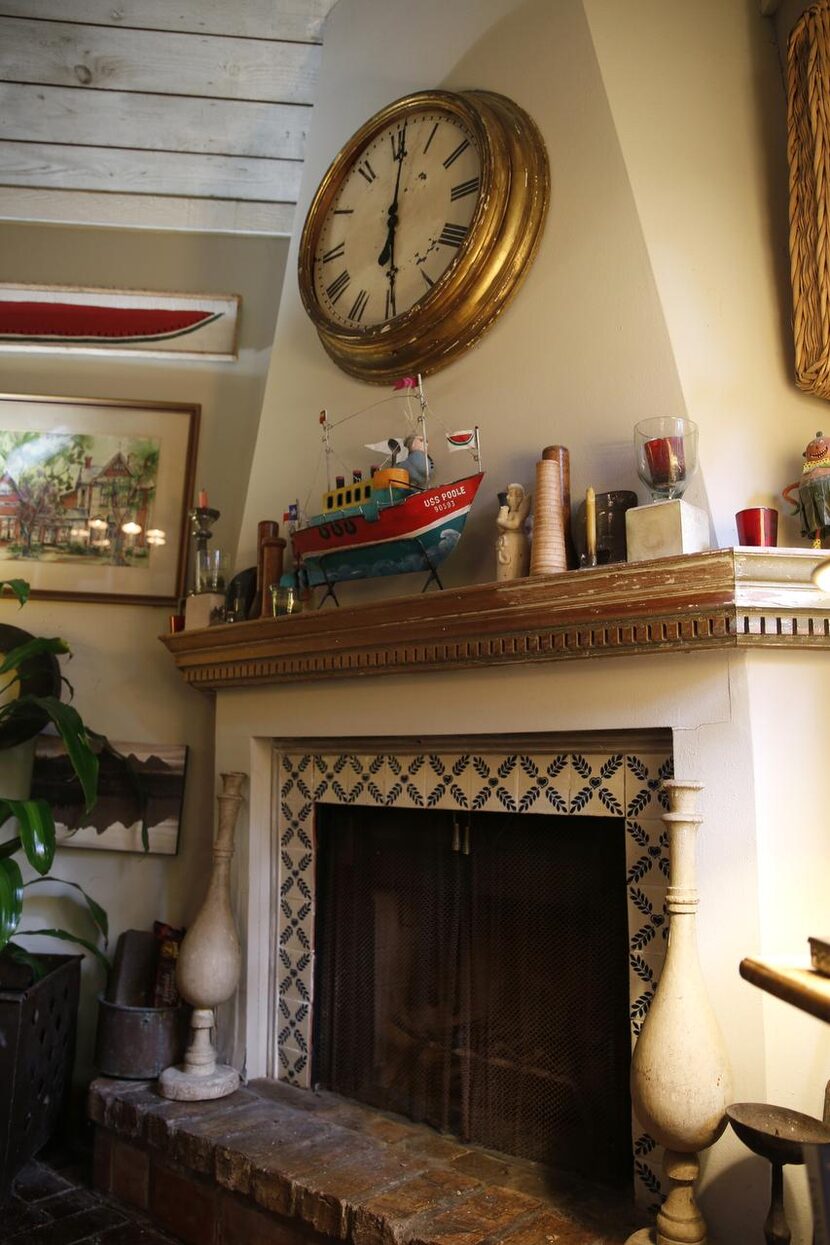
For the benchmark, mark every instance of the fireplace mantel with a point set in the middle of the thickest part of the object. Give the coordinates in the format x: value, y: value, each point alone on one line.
x: 727, y: 598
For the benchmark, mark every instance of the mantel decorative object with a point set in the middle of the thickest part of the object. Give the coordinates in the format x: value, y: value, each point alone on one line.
x: 208, y: 967
x: 666, y: 456
x: 680, y: 1075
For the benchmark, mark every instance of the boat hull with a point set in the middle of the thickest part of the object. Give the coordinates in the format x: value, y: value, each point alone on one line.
x: 416, y: 534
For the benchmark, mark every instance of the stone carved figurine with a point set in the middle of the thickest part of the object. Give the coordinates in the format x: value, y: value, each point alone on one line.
x: 512, y: 544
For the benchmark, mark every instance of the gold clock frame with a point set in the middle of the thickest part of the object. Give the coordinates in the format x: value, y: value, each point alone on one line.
x: 501, y: 242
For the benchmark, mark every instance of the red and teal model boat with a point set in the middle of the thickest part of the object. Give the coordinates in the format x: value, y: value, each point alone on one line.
x: 396, y: 520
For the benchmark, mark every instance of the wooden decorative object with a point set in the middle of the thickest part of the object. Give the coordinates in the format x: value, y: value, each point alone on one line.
x: 680, y: 1075
x: 727, y: 598
x: 208, y: 967
x: 560, y: 455
x: 548, y: 554
x: 512, y: 543
x: 808, y: 142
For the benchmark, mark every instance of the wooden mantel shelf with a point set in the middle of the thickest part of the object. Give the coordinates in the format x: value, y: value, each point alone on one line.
x: 727, y: 598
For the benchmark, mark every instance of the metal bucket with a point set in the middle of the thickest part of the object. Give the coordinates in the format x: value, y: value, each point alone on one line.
x: 138, y: 1043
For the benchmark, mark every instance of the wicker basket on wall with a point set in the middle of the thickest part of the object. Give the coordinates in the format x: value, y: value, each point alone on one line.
x: 808, y: 148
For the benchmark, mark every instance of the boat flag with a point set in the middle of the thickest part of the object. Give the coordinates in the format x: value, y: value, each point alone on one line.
x: 393, y: 445
x: 406, y: 382
x: 463, y: 440
x: 291, y: 514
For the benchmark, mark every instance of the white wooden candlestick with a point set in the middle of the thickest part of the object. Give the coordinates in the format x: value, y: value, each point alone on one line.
x: 680, y: 1075
x: 207, y: 972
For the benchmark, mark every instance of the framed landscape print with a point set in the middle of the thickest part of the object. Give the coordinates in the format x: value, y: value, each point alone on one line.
x: 94, y: 496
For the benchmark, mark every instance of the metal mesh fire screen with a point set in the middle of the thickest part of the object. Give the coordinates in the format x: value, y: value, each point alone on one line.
x: 482, y: 991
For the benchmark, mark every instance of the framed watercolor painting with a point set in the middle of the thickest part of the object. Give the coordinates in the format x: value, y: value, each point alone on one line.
x: 58, y: 318
x: 94, y: 496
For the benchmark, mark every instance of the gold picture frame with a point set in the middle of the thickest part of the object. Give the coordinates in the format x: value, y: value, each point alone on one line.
x: 94, y: 496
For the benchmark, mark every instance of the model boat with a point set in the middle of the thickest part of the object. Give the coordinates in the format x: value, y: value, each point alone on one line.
x: 396, y: 520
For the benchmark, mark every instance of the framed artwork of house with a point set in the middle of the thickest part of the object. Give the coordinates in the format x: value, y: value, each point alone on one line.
x: 94, y: 496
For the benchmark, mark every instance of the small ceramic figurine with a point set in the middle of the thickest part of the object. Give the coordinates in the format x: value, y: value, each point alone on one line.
x: 417, y: 462
x: 512, y: 544
x: 813, y: 501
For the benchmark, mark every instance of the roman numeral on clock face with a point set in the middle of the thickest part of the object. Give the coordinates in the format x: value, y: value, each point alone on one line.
x: 365, y: 170
x: 453, y: 156
x: 334, y: 253
x: 398, y: 142
x: 337, y: 286
x: 359, y: 306
x: 464, y: 188
x: 453, y: 235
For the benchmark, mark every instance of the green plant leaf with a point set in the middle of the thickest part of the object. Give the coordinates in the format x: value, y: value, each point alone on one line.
x: 32, y: 648
x: 75, y: 738
x: 21, y: 956
x: 11, y: 899
x: 97, y: 913
x: 37, y: 830
x: 19, y: 587
x: 65, y: 936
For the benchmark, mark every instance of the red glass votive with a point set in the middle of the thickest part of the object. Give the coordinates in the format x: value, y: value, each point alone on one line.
x: 666, y: 460
x: 757, y: 526
x: 176, y: 622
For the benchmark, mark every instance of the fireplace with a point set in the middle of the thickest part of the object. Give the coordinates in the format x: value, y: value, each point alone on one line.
x: 564, y: 804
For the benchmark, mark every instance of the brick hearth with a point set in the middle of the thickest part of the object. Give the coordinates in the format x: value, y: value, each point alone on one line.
x: 273, y: 1165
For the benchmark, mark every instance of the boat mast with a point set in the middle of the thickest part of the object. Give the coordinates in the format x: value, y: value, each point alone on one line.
x: 422, y: 426
x: 324, y: 420
x: 477, y: 450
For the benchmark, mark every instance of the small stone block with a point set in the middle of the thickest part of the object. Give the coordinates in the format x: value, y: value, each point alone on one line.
x: 130, y: 1178
x: 379, y: 1217
x: 665, y: 529
x: 471, y: 1220
x: 199, y: 607
x: 239, y: 1223
x: 183, y: 1206
x: 546, y: 1229
x: 194, y: 1142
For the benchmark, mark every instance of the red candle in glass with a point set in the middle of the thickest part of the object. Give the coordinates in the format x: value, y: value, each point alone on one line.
x: 666, y: 460
x: 757, y: 526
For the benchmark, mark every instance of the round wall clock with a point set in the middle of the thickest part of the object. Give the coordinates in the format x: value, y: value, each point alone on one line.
x: 421, y: 231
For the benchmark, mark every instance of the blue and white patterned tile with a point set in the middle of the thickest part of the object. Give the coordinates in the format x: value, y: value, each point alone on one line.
x: 647, y: 920
x: 543, y: 782
x: 644, y: 969
x: 338, y: 778
x: 644, y: 853
x: 294, y: 1023
x: 493, y: 782
x: 295, y: 924
x: 648, y: 1164
x: 370, y: 784
x: 404, y: 778
x: 295, y: 778
x: 295, y: 878
x: 295, y: 971
x: 645, y: 774
x: 597, y: 784
x: 294, y: 1067
x: 446, y: 778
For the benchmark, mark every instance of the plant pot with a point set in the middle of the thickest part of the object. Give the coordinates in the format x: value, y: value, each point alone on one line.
x: 138, y: 1043
x: 37, y: 1051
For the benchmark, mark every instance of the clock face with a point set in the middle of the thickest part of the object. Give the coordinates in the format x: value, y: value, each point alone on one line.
x: 398, y: 220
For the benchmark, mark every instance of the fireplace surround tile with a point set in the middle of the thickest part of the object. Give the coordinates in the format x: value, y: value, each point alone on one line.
x: 543, y: 782
x: 404, y: 779
x: 612, y: 784
x: 597, y: 785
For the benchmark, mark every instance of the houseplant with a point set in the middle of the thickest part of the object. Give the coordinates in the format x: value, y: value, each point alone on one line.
x: 38, y: 994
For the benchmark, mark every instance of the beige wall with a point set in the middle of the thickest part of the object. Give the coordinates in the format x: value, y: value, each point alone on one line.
x: 660, y: 287
x: 125, y: 683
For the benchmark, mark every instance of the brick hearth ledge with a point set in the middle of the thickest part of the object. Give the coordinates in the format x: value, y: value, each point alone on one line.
x: 274, y: 1165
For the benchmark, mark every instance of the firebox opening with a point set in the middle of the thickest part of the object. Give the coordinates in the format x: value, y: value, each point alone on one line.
x: 472, y: 974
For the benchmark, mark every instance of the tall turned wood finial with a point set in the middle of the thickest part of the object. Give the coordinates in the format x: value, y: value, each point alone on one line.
x: 207, y: 972
x: 680, y: 1075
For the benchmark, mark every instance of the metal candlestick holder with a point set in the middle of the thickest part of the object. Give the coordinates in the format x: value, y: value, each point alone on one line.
x: 202, y: 520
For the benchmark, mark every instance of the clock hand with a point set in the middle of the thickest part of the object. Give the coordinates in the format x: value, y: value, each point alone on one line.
x: 386, y: 255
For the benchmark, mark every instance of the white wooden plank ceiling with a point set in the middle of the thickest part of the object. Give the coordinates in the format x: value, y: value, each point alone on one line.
x: 187, y: 114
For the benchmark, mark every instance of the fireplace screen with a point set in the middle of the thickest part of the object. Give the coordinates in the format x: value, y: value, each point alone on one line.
x: 472, y: 974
